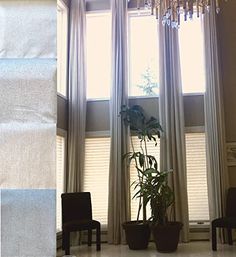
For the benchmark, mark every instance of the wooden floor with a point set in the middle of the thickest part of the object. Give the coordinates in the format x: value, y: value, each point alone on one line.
x: 192, y: 249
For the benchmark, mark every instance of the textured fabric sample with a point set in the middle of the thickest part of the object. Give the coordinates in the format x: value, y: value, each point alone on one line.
x: 28, y: 28
x: 28, y: 119
x: 27, y: 90
x: 28, y: 223
x: 28, y: 155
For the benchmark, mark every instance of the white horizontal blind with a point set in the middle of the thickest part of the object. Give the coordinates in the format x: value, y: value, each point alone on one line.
x: 60, y: 176
x: 196, y: 177
x: 96, y: 174
x: 152, y: 150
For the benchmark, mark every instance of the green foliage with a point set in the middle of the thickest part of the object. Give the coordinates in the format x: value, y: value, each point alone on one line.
x: 154, y: 187
x: 152, y: 184
x: 145, y: 128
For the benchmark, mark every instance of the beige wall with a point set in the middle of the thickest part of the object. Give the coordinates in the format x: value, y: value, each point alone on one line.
x: 98, y: 111
x: 227, y: 39
x: 62, y: 103
x: 62, y: 113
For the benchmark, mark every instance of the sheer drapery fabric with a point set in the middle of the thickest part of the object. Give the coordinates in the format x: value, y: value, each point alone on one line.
x: 77, y: 95
x: 214, y: 120
x: 119, y: 200
x: 172, y: 146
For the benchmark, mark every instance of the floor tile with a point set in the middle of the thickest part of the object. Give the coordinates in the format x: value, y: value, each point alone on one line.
x: 192, y: 249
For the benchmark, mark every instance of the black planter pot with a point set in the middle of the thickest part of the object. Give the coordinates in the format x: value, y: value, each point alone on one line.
x: 137, y: 234
x: 166, y: 237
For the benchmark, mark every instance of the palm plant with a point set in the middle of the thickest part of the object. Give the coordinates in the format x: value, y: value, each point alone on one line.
x: 156, y: 190
x: 146, y: 129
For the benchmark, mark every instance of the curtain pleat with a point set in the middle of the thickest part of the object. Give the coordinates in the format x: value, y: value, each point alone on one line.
x: 77, y: 100
x: 77, y: 96
x: 119, y: 197
x: 214, y: 120
x: 172, y: 146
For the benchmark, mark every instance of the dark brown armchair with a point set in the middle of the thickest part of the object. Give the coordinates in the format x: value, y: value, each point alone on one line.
x: 77, y: 216
x: 229, y: 221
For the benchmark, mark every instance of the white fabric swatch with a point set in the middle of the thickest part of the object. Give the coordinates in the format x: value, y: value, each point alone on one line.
x: 28, y: 223
x: 28, y: 90
x: 27, y: 155
x: 28, y: 28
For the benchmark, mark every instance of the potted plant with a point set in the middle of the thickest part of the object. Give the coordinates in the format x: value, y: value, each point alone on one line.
x: 146, y: 129
x: 156, y: 190
x: 152, y: 187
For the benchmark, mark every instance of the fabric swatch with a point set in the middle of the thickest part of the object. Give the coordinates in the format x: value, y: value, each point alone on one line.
x: 28, y: 223
x: 28, y: 153
x: 28, y: 90
x: 28, y: 29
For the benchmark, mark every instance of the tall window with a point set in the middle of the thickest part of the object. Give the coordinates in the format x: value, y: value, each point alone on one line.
x: 196, y: 177
x: 96, y: 174
x: 62, y: 32
x: 60, y: 172
x: 144, y: 59
x: 152, y: 150
x: 192, y: 56
x: 98, y: 55
x: 143, y: 56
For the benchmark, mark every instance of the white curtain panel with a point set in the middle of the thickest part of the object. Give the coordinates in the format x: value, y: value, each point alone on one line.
x: 214, y: 120
x: 77, y: 96
x: 28, y: 29
x: 172, y: 148
x: 119, y: 202
x: 28, y: 128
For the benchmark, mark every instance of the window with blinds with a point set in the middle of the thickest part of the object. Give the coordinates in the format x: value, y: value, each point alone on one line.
x: 196, y: 177
x: 96, y: 174
x: 152, y: 150
x: 60, y: 159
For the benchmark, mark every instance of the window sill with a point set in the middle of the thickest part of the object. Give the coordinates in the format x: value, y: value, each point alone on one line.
x: 197, y: 226
x: 142, y: 97
x: 97, y: 99
x: 62, y: 96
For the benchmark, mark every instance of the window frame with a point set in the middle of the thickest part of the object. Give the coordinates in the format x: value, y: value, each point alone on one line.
x: 99, y: 13
x: 99, y: 134
x: 132, y: 12
x: 63, y: 133
x: 64, y: 46
x: 135, y: 13
x: 195, y: 93
x: 203, y: 224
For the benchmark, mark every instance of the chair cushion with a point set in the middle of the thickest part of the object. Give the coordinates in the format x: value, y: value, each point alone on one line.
x: 76, y: 225
x: 229, y: 222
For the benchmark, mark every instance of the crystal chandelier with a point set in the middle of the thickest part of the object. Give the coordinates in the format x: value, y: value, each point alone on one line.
x: 172, y: 9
